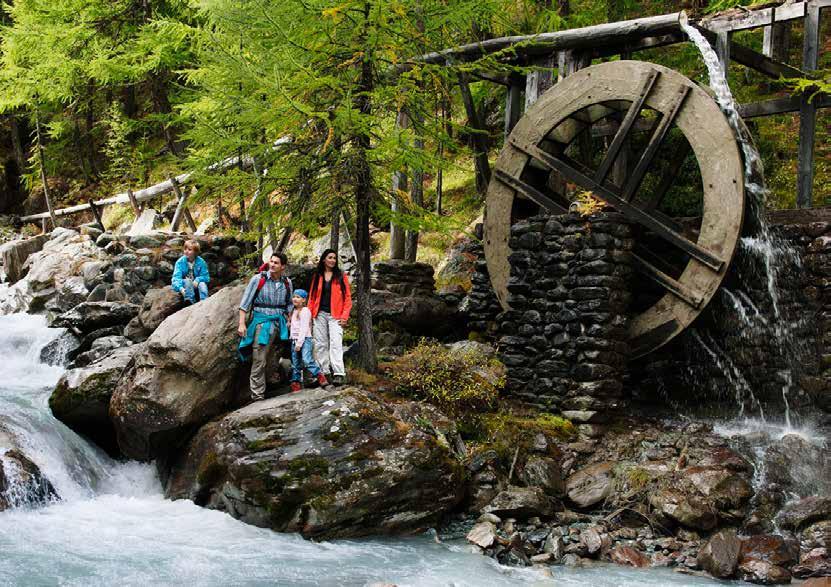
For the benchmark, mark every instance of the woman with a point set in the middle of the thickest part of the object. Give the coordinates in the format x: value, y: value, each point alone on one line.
x: 330, y: 302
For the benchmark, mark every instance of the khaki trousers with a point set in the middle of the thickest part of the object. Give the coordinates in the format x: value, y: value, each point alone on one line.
x: 259, y: 361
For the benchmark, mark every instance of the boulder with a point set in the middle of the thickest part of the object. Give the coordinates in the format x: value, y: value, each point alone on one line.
x: 145, y: 224
x: 764, y: 573
x: 158, y: 304
x: 545, y: 473
x: 101, y: 347
x: 90, y: 316
x: 591, y: 485
x: 482, y: 534
x: 183, y: 377
x: 324, y: 463
x: 418, y: 315
x: 804, y: 512
x: 522, y: 503
x: 81, y: 399
x: 727, y: 489
x: 770, y: 548
x: 59, y: 350
x: 814, y: 563
x: 13, y: 255
x: 684, y: 508
x: 70, y: 294
x: 626, y: 555
x: 720, y: 556
x: 817, y: 535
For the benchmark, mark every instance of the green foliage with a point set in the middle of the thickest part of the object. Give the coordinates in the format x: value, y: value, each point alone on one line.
x: 456, y: 381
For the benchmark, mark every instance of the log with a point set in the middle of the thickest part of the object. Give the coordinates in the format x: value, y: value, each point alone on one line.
x: 779, y: 106
x: 744, y: 19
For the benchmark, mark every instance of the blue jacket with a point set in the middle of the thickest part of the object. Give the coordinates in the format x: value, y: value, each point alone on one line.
x: 180, y: 271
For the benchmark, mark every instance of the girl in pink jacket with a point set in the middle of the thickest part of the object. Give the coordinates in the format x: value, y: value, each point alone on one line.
x: 301, y: 343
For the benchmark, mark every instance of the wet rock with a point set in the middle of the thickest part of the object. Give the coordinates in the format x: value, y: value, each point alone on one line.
x: 572, y: 560
x: 58, y: 351
x: 800, y: 514
x: 70, y: 294
x: 594, y: 539
x: 720, y: 556
x: 101, y: 347
x: 22, y: 484
x: 626, y: 555
x: 763, y: 573
x: 545, y: 473
x: 522, y: 503
x: 326, y: 464
x: 590, y: 485
x: 157, y: 305
x: 183, y: 377
x: 89, y: 316
x: 81, y: 399
x: 684, y: 508
x: 482, y: 534
x: 726, y: 488
x: 555, y: 546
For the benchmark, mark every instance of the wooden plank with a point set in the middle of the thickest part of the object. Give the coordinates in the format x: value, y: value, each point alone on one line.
x: 777, y: 41
x: 676, y: 288
x: 808, y: 109
x: 537, y: 82
x: 625, y: 127
x: 625, y: 50
x: 651, y: 150
x: 630, y: 211
x: 780, y: 106
x: 189, y: 220
x: 761, y: 63
x: 607, y: 129
x: 529, y: 192
x: 744, y: 19
x: 177, y: 215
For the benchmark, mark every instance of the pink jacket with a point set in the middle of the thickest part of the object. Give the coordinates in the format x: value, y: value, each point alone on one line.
x: 301, y: 324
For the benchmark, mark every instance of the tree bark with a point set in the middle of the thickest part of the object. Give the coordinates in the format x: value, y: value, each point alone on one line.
x: 416, y: 197
x: 399, y: 182
x: 17, y: 145
x: 363, y: 196
x: 42, y: 161
x: 334, y: 231
x: 161, y: 104
x: 480, y: 141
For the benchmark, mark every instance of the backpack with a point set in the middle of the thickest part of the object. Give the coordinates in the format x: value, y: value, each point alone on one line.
x: 283, y: 279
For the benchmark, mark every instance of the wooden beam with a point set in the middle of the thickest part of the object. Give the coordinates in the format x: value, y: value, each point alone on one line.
x: 761, y: 63
x: 808, y: 109
x: 177, y: 215
x: 189, y: 219
x: 513, y: 98
x: 625, y: 127
x: 530, y: 192
x: 96, y: 211
x: 780, y: 106
x: 673, y: 286
x: 134, y: 203
x: 750, y: 18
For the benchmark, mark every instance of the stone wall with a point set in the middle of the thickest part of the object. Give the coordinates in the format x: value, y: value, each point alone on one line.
x: 563, y: 341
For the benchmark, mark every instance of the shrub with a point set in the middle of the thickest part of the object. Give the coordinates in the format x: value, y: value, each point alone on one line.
x: 456, y: 381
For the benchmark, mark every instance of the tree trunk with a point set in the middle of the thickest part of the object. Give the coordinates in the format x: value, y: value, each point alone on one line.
x: 17, y: 145
x: 480, y: 141
x: 399, y: 183
x: 42, y: 162
x: 161, y: 104
x: 417, y: 199
x: 334, y: 231
x: 363, y: 196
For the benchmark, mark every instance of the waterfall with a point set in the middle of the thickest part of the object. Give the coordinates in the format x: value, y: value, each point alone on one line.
x: 770, y: 251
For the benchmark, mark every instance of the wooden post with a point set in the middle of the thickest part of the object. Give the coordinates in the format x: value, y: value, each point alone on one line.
x: 189, y: 219
x: 480, y: 155
x: 513, y: 98
x: 134, y: 203
x: 399, y: 184
x: 180, y: 206
x: 723, y: 51
x: 808, y: 110
x: 538, y: 82
x: 96, y: 211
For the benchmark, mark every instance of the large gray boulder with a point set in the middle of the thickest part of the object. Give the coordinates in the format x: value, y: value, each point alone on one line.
x: 13, y: 255
x: 591, y: 485
x: 720, y: 556
x: 522, y: 503
x: 22, y: 484
x: 89, y: 316
x: 81, y: 399
x: 184, y: 376
x: 804, y: 512
x: 324, y: 463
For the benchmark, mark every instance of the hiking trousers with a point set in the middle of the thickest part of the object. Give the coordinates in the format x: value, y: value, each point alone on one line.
x: 328, y: 335
x: 259, y: 361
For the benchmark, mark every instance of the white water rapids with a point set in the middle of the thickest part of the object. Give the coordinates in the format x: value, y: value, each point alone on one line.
x: 112, y: 526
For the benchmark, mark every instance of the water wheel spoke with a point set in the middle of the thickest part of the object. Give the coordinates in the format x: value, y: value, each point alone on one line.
x: 673, y: 286
x: 632, y: 212
x: 654, y: 142
x: 529, y: 192
x: 625, y: 127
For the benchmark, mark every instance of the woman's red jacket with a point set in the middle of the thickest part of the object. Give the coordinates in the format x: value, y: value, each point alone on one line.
x: 341, y: 304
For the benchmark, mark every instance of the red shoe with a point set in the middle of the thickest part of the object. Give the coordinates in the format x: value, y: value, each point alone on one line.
x: 321, y: 380
x: 296, y: 387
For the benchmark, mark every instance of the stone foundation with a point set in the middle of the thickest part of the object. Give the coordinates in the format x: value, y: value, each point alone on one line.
x: 564, y: 339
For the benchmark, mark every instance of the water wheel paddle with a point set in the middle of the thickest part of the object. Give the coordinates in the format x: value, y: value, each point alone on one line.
x: 574, y: 139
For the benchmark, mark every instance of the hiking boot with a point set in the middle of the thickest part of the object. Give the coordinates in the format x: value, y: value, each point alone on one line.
x: 321, y: 380
x: 338, y: 380
x: 296, y: 387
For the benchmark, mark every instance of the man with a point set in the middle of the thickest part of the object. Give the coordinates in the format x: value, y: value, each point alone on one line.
x: 268, y: 297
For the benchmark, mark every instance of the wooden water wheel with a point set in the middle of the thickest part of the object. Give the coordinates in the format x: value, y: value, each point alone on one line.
x: 576, y: 138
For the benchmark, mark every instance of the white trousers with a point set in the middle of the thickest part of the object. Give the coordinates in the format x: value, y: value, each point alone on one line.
x: 328, y: 336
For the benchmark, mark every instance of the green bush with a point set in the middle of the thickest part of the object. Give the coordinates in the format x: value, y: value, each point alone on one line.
x: 456, y: 381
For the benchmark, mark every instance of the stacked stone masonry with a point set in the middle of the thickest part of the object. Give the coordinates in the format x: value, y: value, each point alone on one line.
x: 564, y: 339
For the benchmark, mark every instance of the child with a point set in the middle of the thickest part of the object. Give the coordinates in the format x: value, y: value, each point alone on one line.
x: 301, y: 343
x: 191, y: 272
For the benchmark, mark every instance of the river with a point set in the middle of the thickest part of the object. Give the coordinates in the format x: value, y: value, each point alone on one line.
x: 112, y: 524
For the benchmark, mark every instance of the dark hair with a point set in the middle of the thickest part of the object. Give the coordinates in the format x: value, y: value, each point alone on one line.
x: 321, y: 269
x: 282, y: 256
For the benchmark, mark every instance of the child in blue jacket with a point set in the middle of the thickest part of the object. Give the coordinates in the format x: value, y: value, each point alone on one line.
x: 191, y: 273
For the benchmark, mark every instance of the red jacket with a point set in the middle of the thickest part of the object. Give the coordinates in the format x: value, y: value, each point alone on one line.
x: 341, y: 304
